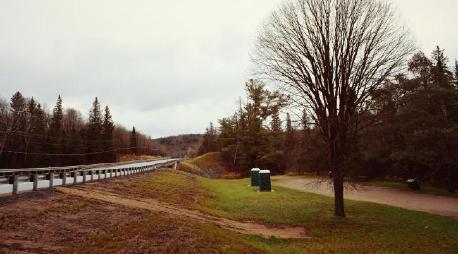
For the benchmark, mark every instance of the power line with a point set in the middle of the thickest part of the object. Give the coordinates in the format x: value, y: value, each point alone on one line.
x: 71, y: 154
x: 30, y: 135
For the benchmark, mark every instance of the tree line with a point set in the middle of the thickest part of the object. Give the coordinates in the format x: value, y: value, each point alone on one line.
x: 32, y: 137
x: 410, y: 130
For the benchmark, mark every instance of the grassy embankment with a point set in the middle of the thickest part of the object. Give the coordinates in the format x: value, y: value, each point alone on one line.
x: 207, y: 165
x: 369, y: 228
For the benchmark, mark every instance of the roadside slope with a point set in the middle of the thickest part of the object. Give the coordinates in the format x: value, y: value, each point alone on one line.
x: 53, y: 222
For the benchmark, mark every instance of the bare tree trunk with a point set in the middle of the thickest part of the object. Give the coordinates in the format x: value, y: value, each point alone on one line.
x: 337, y: 176
x: 338, y: 194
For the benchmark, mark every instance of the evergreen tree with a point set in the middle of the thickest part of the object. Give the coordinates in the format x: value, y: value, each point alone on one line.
x: 456, y: 74
x: 275, y: 123
x: 108, y: 127
x: 290, y: 144
x: 441, y: 76
x: 417, y: 126
x: 56, y: 126
x: 290, y: 135
x: 14, y: 140
x: 245, y: 140
x: 94, y: 132
x: 210, y: 140
x: 133, y: 141
x: 56, y: 141
x: 29, y: 133
x: 36, y: 138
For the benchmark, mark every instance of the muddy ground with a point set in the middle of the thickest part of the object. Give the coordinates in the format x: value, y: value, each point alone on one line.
x: 111, y: 217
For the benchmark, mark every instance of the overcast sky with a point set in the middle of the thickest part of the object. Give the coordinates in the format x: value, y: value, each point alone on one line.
x: 167, y: 67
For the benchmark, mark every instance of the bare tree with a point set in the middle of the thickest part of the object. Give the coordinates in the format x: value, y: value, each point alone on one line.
x: 329, y: 56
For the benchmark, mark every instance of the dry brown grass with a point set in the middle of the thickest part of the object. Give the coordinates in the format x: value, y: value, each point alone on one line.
x: 133, y: 157
x: 207, y: 165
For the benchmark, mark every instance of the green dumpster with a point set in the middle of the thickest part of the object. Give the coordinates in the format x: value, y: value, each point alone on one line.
x: 255, y: 177
x: 264, y: 181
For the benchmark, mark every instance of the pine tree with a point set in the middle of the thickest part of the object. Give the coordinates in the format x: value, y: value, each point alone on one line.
x: 305, y: 150
x: 133, y: 141
x: 29, y: 133
x: 304, y: 120
x: 210, y: 142
x: 456, y: 74
x: 56, y: 134
x: 108, y: 127
x: 14, y: 140
x: 40, y: 128
x: 56, y: 126
x: 441, y: 76
x: 275, y: 124
x: 290, y: 144
x: 290, y: 139
x: 95, y: 118
x: 95, y: 131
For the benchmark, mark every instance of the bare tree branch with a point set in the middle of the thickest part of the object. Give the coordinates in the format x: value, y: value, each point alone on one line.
x: 330, y: 55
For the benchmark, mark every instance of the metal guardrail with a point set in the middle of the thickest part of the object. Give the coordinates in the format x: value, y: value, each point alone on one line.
x: 15, y: 176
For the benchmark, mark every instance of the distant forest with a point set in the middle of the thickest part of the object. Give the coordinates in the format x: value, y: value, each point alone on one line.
x: 408, y: 130
x: 32, y: 137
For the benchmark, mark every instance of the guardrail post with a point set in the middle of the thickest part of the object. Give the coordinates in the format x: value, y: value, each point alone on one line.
x: 98, y: 173
x: 92, y: 175
x: 84, y: 176
x: 14, y: 181
x: 51, y: 179
x: 63, y: 175
x: 105, y: 171
x: 74, y: 174
x: 34, y: 179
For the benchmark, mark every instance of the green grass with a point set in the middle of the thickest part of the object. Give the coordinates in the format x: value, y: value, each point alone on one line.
x: 403, y: 186
x: 369, y: 228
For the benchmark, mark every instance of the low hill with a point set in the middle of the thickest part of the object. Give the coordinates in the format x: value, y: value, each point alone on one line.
x: 207, y: 165
x: 178, y: 146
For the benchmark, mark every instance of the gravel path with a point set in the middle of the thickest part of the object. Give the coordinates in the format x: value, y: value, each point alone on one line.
x: 445, y: 206
x: 243, y: 227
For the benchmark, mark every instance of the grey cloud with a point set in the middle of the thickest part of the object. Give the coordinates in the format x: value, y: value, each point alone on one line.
x: 167, y: 67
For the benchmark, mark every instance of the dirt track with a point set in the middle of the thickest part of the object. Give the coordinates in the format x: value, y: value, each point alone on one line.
x: 445, y: 206
x: 156, y: 206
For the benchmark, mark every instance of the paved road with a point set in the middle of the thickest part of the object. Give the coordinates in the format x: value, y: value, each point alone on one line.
x: 445, y: 206
x: 27, y: 185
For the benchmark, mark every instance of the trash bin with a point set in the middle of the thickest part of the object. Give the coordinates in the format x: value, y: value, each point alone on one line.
x: 255, y: 177
x: 264, y: 181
